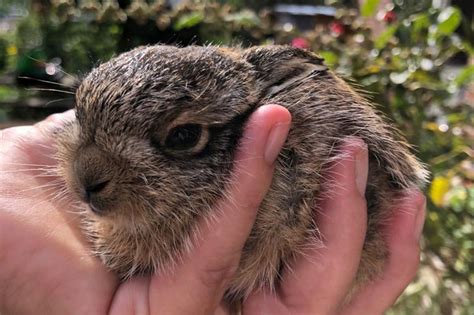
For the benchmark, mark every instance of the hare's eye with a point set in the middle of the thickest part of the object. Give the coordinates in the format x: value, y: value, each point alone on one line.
x: 183, y: 137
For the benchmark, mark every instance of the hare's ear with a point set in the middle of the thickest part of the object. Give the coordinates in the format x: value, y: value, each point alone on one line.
x: 279, y: 66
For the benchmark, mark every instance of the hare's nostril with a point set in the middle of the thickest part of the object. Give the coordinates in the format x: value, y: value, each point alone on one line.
x: 95, y: 188
x: 95, y: 208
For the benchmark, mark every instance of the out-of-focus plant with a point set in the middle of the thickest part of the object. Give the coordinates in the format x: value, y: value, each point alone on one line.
x: 83, y: 33
x: 3, y: 53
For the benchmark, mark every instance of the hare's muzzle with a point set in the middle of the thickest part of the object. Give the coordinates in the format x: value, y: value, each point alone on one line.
x: 93, y: 170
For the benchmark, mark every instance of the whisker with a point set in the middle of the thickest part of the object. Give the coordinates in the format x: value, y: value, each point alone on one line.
x: 50, y: 90
x: 29, y: 164
x: 46, y: 81
x: 51, y: 185
x: 61, y: 70
x: 60, y: 196
x: 20, y: 171
x: 57, y: 101
x: 41, y: 175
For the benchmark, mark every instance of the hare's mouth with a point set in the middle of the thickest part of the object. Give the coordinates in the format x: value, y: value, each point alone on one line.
x: 100, y: 206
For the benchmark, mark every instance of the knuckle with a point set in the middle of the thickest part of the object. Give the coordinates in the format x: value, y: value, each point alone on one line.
x: 54, y: 118
x: 408, y: 265
x: 50, y: 123
x: 218, y: 275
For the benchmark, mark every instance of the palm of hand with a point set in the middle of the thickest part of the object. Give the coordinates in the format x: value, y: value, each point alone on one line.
x: 46, y: 258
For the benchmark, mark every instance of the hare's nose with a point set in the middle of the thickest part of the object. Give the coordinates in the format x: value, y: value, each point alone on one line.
x: 94, y: 171
x: 91, y: 195
x: 92, y: 189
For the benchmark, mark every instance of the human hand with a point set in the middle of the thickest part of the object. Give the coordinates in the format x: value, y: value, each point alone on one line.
x: 321, y: 280
x: 45, y: 265
x: 46, y: 268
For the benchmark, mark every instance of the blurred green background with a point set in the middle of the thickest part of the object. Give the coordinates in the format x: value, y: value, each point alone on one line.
x: 415, y: 57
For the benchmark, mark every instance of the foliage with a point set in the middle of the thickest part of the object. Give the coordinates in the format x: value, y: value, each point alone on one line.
x: 3, y: 53
x: 403, y: 62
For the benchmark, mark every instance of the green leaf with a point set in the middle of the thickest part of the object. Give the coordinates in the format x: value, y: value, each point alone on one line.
x: 466, y: 75
x: 449, y: 20
x: 383, y: 39
x: 245, y: 18
x: 329, y: 57
x: 369, y: 7
x: 420, y: 22
x: 469, y: 48
x: 188, y: 20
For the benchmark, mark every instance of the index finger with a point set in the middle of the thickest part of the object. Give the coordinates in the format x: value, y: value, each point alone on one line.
x: 319, y: 280
x: 36, y: 142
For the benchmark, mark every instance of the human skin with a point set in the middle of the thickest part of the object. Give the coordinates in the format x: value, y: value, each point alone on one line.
x: 46, y: 267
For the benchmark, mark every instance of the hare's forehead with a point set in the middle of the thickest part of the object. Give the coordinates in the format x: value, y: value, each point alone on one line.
x: 162, y: 80
x: 162, y: 85
x: 145, y: 110
x: 133, y: 92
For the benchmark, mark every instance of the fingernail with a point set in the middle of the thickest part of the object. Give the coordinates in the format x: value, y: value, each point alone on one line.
x: 361, y: 168
x: 276, y: 139
x: 420, y: 219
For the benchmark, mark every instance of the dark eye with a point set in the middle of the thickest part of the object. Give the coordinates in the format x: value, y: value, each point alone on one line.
x: 183, y: 137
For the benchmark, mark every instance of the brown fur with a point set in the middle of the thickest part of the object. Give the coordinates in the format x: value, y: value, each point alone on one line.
x: 155, y: 196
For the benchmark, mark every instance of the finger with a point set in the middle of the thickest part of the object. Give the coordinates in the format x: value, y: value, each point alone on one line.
x: 132, y: 298
x: 42, y: 132
x: 197, y: 285
x: 35, y: 142
x: 55, y: 121
x: 47, y: 125
x: 319, y: 281
x: 403, y: 236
